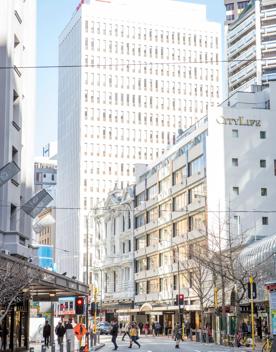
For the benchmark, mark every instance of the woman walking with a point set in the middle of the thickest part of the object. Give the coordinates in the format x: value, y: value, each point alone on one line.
x: 133, y: 333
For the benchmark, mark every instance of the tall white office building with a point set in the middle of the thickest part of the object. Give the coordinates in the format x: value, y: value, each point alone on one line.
x: 251, y: 46
x: 17, y: 115
x: 142, y: 70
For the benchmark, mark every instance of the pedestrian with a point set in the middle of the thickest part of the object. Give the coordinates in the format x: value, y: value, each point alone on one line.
x: 157, y: 328
x: 177, y: 335
x: 60, y: 332
x: 46, y: 333
x: 133, y: 333
x: 114, y: 334
x: 70, y: 336
x: 146, y: 328
x: 187, y: 328
x: 126, y: 332
x: 153, y: 328
x: 141, y: 325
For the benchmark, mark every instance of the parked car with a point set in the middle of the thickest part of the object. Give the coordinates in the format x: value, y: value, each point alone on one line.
x: 104, y: 328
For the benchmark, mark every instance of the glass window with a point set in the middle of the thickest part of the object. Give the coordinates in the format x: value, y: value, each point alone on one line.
x: 263, y: 192
x: 196, y: 166
x: 196, y: 193
x: 140, y: 220
x: 165, y: 184
x: 165, y: 208
x: 153, y: 238
x: 166, y: 233
x: 263, y: 134
x: 140, y: 198
x: 152, y: 191
x: 235, y: 162
x: 153, y: 286
x: 154, y: 262
x: 153, y: 214
x: 262, y: 163
x: 180, y: 202
x: 141, y: 288
x: 265, y: 220
x: 236, y: 190
x: 179, y: 176
x: 229, y: 7
x: 180, y: 228
x: 197, y: 221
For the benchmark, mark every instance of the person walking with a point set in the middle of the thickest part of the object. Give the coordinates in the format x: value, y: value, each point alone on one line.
x: 157, y: 328
x: 70, y: 336
x: 133, y: 333
x: 114, y: 334
x: 46, y: 333
x: 140, y: 325
x: 126, y: 332
x: 60, y: 332
x: 146, y: 328
x: 177, y: 335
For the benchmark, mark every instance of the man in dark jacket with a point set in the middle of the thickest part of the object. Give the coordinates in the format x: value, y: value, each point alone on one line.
x: 47, y: 333
x: 60, y: 332
x: 114, y: 333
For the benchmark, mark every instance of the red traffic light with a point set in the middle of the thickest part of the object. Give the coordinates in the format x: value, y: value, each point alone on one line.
x: 181, y: 297
x: 79, y: 305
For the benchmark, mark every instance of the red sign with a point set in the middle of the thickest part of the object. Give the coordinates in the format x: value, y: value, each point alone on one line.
x: 80, y: 331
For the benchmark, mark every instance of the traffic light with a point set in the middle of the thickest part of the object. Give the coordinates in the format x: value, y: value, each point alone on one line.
x: 79, y: 305
x: 254, y: 296
x: 180, y: 299
x: 95, y: 308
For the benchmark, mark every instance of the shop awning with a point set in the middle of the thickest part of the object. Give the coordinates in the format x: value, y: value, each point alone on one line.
x: 48, y: 285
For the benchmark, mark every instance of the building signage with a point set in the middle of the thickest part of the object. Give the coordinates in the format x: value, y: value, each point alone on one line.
x: 240, y: 121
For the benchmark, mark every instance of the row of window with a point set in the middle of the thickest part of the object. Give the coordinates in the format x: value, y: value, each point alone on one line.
x: 138, y: 83
x: 235, y: 163
x: 194, y: 167
x: 149, y: 34
x: 235, y: 134
x: 164, y: 284
x: 127, y: 134
x: 134, y: 49
x: 104, y: 63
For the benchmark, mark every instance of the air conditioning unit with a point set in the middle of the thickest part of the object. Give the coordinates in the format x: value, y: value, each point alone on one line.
x: 5, y: 251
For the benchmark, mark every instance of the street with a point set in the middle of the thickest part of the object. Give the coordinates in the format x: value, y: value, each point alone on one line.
x: 162, y: 344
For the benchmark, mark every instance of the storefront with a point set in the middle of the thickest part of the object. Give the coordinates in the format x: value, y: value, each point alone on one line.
x: 46, y: 286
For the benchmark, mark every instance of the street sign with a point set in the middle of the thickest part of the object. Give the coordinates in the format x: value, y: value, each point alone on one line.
x: 7, y: 172
x: 37, y: 203
x: 80, y: 331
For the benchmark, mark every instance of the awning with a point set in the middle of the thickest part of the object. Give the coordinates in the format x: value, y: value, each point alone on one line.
x: 259, y: 253
x: 47, y: 285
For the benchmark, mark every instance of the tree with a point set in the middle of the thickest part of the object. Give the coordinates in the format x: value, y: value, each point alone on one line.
x: 199, y: 277
x: 14, y: 278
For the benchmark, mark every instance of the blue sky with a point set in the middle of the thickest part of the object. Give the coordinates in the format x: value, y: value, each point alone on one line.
x: 52, y: 17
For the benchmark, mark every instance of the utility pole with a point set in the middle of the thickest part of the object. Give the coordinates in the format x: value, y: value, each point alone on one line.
x: 251, y: 281
x: 87, y: 278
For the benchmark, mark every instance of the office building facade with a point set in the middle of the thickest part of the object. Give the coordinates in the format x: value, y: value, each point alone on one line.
x: 17, y: 111
x: 138, y: 79
x: 216, y: 181
x: 234, y: 8
x: 251, y: 48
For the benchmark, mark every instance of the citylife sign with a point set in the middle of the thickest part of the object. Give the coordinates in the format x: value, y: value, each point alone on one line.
x: 240, y: 121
